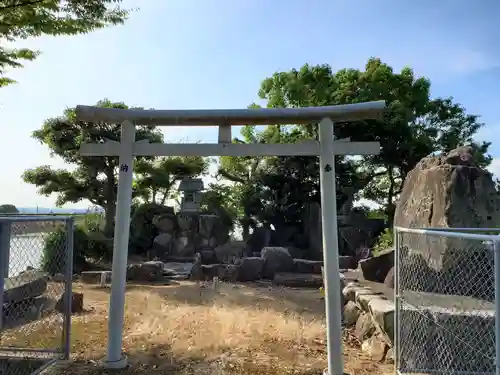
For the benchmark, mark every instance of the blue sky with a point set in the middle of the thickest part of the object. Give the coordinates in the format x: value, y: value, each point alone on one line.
x: 214, y: 54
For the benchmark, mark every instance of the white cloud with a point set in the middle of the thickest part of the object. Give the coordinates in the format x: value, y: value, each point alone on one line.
x: 494, y: 167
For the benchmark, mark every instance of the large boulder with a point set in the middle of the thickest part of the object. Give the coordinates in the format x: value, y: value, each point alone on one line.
x: 230, y: 251
x: 277, y: 259
x: 445, y: 192
x: 163, y: 246
x: 250, y: 269
x: 142, y: 228
x: 377, y: 267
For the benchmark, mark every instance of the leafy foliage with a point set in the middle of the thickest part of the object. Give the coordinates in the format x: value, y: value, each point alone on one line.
x: 384, y: 241
x: 8, y: 209
x: 94, y: 178
x: 219, y: 199
x: 52, y: 262
x: 155, y: 179
x: 414, y: 126
x: 21, y: 19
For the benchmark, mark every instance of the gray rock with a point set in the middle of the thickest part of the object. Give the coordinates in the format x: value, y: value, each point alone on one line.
x: 435, y: 337
x: 351, y: 314
x: 28, y: 284
x: 451, y: 191
x: 365, y: 327
x: 382, y: 312
x: 173, y: 269
x: 377, y: 267
x: 307, y: 266
x: 76, y: 303
x: 163, y: 245
x: 278, y: 259
x: 165, y: 223
x: 227, y: 253
x: 224, y: 272
x: 146, y: 271
x: 298, y: 280
x: 250, y: 269
x: 210, y: 271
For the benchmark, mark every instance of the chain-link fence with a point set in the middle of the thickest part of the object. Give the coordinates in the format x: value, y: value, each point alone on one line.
x: 445, y: 301
x: 36, y: 260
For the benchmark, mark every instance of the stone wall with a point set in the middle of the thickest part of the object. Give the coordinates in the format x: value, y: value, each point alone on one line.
x: 371, y: 316
x: 437, y: 332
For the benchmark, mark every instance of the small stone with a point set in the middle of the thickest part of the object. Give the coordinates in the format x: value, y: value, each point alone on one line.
x: 76, y: 303
x: 351, y: 314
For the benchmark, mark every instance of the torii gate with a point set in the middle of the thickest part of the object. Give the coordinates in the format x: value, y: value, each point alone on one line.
x: 326, y: 149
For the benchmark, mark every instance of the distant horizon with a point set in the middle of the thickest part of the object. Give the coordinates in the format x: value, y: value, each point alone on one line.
x: 42, y: 210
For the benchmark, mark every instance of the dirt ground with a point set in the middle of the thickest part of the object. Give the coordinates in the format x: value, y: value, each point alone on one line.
x: 189, y: 328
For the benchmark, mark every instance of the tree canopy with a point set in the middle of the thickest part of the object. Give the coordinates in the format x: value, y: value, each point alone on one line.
x: 8, y: 209
x: 93, y: 178
x: 156, y: 178
x: 21, y: 19
x: 414, y: 126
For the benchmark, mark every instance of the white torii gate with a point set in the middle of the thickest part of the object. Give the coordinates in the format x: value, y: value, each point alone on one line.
x: 326, y: 149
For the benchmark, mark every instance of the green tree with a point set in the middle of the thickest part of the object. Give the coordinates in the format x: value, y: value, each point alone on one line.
x: 245, y: 173
x: 414, y: 126
x: 21, y: 19
x: 8, y: 209
x: 221, y: 200
x: 156, y: 178
x: 94, y: 178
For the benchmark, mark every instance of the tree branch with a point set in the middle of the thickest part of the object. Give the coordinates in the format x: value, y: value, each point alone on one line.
x: 230, y: 177
x: 19, y: 5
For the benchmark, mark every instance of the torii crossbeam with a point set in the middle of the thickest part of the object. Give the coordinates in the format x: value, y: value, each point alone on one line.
x: 326, y: 149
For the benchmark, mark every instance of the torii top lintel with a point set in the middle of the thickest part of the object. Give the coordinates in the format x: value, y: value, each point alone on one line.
x: 248, y: 116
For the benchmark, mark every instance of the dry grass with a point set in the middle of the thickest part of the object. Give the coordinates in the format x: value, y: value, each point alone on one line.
x: 186, y: 329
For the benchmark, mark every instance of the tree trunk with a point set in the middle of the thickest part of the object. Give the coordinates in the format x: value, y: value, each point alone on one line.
x: 109, y: 219
x: 163, y: 199
x: 110, y: 206
x: 245, y: 229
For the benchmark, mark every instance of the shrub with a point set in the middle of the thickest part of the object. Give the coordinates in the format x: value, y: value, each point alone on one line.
x: 384, y: 241
x: 54, y: 252
x: 86, y: 245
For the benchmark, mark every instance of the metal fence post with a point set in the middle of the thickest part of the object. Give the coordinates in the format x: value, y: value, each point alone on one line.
x: 5, y: 228
x: 496, y: 250
x: 397, y: 265
x: 68, y: 311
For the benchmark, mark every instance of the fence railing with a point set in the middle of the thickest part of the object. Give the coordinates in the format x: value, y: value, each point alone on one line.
x: 446, y: 282
x: 36, y: 260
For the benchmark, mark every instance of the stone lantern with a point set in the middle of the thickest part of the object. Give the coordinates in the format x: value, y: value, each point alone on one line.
x: 191, y: 189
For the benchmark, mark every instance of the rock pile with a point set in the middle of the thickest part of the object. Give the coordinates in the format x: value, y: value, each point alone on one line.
x: 27, y: 297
